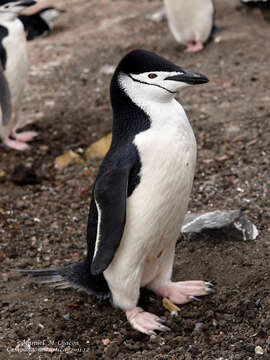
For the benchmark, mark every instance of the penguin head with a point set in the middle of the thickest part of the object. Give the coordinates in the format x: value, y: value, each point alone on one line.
x: 50, y: 13
x: 147, y: 76
x: 11, y: 8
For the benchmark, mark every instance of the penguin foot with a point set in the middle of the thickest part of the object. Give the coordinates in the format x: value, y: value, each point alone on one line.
x: 15, y: 144
x: 24, y: 136
x: 185, y: 291
x: 193, y: 46
x: 145, y: 322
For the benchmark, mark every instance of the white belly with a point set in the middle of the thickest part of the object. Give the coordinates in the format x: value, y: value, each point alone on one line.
x: 190, y: 20
x: 16, y: 67
x: 156, y: 209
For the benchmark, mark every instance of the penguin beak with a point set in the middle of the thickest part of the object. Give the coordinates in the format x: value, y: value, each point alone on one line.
x: 189, y: 77
x: 27, y: 3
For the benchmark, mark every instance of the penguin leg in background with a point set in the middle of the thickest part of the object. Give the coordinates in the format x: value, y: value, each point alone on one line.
x: 15, y: 144
x: 178, y: 292
x: 24, y: 136
x: 193, y: 46
x: 18, y: 141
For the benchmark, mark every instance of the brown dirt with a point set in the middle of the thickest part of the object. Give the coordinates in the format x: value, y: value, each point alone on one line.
x: 44, y: 224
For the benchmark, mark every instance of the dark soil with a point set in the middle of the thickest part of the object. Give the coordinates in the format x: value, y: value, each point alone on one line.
x: 43, y: 212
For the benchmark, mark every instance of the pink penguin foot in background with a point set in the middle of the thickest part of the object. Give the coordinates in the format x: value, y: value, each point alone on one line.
x: 24, y: 136
x: 145, y: 322
x: 185, y: 291
x: 18, y: 141
x: 193, y: 46
x: 15, y: 144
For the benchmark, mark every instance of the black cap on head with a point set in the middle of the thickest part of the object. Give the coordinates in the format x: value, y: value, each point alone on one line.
x: 140, y: 61
x: 25, y: 3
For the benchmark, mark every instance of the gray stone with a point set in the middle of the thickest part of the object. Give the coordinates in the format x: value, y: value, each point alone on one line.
x: 233, y: 224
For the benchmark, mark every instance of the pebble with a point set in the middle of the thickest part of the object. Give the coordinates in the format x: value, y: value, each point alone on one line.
x: 67, y: 158
x: 98, y: 149
x: 107, y: 69
x: 259, y: 350
x: 198, y: 327
x: 2, y: 175
x: 66, y: 316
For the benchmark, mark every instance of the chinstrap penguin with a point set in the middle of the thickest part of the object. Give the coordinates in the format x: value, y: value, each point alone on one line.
x: 191, y: 22
x: 40, y: 23
x: 14, y: 61
x: 140, y: 195
x: 263, y: 5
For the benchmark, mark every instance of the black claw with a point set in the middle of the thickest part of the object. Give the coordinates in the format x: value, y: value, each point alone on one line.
x: 152, y: 333
x: 209, y: 284
x: 164, y: 328
x: 161, y: 321
x: 210, y: 291
x: 194, y: 298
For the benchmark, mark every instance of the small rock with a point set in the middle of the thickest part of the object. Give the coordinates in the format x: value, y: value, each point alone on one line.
x: 66, y: 316
x: 107, y: 69
x: 198, y: 327
x: 66, y: 159
x: 106, y: 341
x: 158, y: 16
x: 259, y: 350
x: 2, y: 176
x: 99, y: 149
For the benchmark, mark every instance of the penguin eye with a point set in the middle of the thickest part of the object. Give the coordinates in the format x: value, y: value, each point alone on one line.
x: 152, y: 76
x: 6, y: 6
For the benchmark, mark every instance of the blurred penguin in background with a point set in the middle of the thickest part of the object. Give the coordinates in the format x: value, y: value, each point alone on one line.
x: 14, y: 62
x: 40, y: 23
x: 191, y: 22
x: 262, y: 5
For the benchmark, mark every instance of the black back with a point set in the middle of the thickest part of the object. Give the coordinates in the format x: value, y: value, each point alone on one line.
x: 3, y: 53
x: 34, y: 25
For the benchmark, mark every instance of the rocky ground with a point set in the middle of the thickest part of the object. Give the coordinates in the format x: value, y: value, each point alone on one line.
x: 43, y: 210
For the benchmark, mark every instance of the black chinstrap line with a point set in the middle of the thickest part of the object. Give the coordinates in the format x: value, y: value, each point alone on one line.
x: 146, y: 83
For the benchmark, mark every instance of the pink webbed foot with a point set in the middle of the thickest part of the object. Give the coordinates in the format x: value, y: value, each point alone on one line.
x: 145, y: 322
x: 193, y: 46
x: 24, y: 136
x: 184, y: 291
x: 15, y: 144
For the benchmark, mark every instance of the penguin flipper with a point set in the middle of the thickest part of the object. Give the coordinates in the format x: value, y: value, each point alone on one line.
x: 110, y: 196
x: 5, y: 98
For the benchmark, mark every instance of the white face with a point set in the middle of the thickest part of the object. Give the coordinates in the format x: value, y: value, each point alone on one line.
x: 12, y: 8
x: 151, y: 86
x: 50, y: 15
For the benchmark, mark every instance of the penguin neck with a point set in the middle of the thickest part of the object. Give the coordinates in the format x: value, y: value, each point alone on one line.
x: 48, y: 16
x: 6, y: 17
x: 128, y: 118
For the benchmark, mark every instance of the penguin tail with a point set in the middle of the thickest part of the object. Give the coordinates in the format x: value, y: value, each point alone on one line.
x: 217, y: 29
x: 76, y: 276
x: 214, y: 31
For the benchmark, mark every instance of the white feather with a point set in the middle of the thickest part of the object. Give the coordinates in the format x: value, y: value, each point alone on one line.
x: 98, y: 230
x: 190, y: 20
